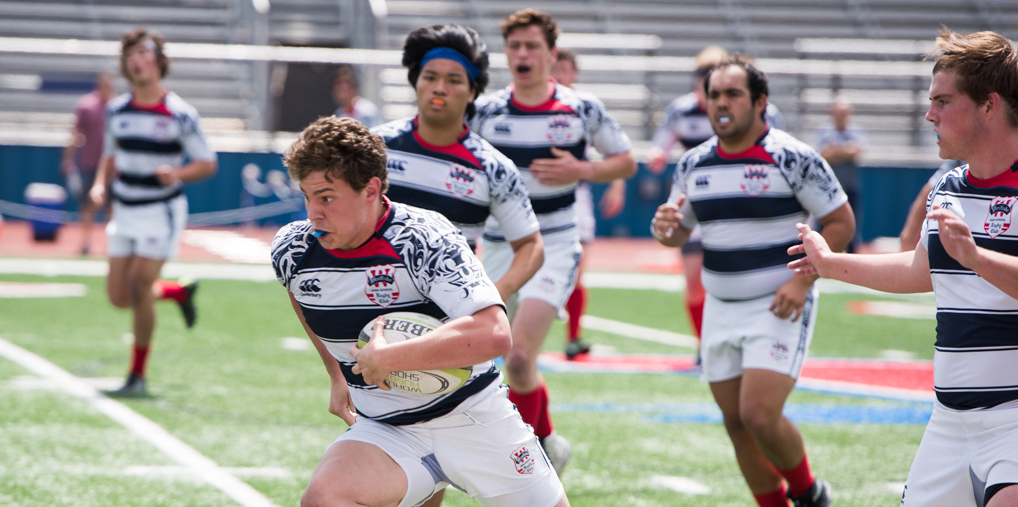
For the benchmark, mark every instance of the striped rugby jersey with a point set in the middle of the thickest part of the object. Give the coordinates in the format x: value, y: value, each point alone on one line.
x: 141, y: 138
x: 569, y: 120
x: 415, y: 262
x: 466, y: 181
x: 747, y: 205
x: 975, y: 363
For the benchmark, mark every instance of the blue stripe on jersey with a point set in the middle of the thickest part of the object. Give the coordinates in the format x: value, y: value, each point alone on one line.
x: 345, y: 324
x: 941, y: 260
x: 739, y: 208
x: 406, y: 142
x: 523, y: 156
x: 456, y: 210
x: 448, y: 402
x: 547, y: 205
x: 148, y: 146
x: 968, y: 399
x: 734, y: 261
x: 982, y: 329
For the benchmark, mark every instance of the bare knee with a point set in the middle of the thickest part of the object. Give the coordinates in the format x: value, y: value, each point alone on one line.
x: 518, y: 365
x: 321, y: 494
x: 758, y: 420
x: 120, y: 297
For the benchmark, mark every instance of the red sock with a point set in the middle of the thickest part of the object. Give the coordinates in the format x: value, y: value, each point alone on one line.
x: 773, y: 499
x: 696, y: 316
x: 171, y: 290
x: 800, y: 479
x: 138, y: 364
x: 575, y: 306
x: 533, y: 407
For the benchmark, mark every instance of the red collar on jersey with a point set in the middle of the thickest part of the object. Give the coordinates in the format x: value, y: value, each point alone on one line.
x: 376, y: 245
x: 755, y: 152
x: 1004, y: 179
x: 552, y: 104
x: 157, y: 108
x: 455, y: 149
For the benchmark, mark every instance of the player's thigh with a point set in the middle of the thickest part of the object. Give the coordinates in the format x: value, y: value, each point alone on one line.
x: 530, y: 325
x: 1005, y: 497
x: 145, y: 271
x: 940, y: 474
x: 763, y: 394
x: 413, y: 474
x: 496, y: 458
x: 340, y: 476
x: 118, y: 281
x: 726, y: 395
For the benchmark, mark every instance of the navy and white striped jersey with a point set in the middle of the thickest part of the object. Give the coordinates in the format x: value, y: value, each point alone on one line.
x: 569, y: 120
x: 974, y: 364
x: 747, y: 205
x: 141, y: 138
x: 686, y: 122
x: 417, y: 261
x: 466, y: 181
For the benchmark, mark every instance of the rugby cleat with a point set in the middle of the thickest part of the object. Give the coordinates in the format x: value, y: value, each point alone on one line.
x: 190, y: 286
x: 556, y: 447
x: 819, y: 495
x: 576, y: 348
x: 133, y: 388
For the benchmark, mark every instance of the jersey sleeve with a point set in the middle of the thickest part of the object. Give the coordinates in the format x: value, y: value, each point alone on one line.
x: 109, y: 140
x: 288, y: 248
x: 605, y: 134
x: 193, y: 139
x: 682, y: 171
x: 510, y: 200
x: 815, y: 185
x: 665, y: 136
x: 444, y: 268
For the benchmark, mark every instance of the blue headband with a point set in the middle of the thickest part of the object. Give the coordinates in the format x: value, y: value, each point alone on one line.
x: 452, y: 54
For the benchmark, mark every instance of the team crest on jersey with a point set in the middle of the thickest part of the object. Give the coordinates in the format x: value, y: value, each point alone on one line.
x: 460, y: 180
x: 560, y: 131
x: 381, y: 288
x: 779, y: 350
x: 161, y: 128
x: 755, y: 179
x: 523, y: 460
x: 998, y: 220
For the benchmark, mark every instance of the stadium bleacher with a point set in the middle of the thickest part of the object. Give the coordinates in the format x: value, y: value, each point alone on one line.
x: 227, y: 94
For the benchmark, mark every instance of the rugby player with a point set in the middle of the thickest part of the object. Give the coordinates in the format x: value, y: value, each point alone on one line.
x: 149, y: 131
x: 968, y: 456
x: 400, y: 448
x: 545, y: 129
x: 747, y: 187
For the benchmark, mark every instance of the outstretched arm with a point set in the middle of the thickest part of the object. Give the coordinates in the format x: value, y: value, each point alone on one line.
x: 999, y: 269
x: 914, y: 221
x: 902, y: 273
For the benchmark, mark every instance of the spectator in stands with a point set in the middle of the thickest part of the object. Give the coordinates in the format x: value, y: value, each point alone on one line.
x: 914, y: 221
x: 613, y: 200
x: 345, y: 91
x: 82, y: 153
x: 150, y: 133
x: 842, y: 145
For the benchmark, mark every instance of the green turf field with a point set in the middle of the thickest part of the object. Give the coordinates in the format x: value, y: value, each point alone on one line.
x: 230, y: 390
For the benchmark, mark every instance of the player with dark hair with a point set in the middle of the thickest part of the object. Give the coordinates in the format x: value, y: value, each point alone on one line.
x: 545, y: 129
x: 968, y: 456
x: 401, y: 448
x: 565, y: 71
x: 149, y: 131
x: 437, y: 163
x: 687, y: 124
x: 747, y: 187
x: 349, y: 103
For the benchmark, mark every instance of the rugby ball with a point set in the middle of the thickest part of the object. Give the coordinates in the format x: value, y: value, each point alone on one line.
x: 400, y: 326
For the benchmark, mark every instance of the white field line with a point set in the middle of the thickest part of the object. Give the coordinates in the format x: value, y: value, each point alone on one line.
x: 638, y: 332
x: 141, y: 426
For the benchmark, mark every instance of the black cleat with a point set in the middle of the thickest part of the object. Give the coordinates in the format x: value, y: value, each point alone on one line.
x: 190, y: 286
x: 576, y: 348
x: 133, y: 388
x: 819, y: 495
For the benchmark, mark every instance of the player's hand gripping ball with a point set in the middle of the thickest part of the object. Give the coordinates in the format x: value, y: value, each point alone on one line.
x: 400, y: 326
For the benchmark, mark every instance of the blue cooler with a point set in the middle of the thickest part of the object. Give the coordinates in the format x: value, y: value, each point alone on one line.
x: 46, y: 216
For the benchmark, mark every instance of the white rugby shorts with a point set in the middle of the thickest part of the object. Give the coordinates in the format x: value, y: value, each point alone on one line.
x: 745, y: 334
x: 148, y: 230
x: 554, y: 281
x: 963, y: 453
x: 485, y: 450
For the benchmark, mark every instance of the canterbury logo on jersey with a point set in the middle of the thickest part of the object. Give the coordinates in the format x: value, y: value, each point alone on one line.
x: 503, y: 128
x: 396, y: 165
x: 309, y: 287
x: 703, y: 181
